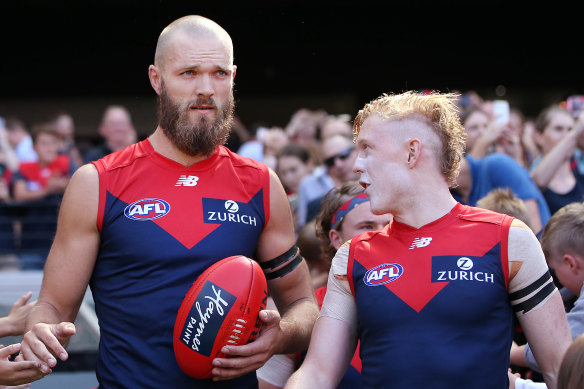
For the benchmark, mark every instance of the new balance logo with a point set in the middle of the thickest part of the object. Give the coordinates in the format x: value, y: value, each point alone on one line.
x: 185, y: 180
x: 420, y: 242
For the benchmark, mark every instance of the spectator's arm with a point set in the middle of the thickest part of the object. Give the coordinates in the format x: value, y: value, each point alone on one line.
x: 562, y: 151
x: 487, y: 139
x: 13, y: 324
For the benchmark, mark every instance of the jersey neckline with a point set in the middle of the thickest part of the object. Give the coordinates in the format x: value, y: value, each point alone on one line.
x: 168, y: 163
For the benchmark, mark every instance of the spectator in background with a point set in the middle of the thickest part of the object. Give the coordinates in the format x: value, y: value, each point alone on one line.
x: 8, y: 156
x: 40, y: 185
x: 294, y: 162
x: 475, y: 122
x: 557, y: 174
x: 65, y: 127
x: 571, y: 375
x: 468, y: 99
x: 253, y: 147
x: 502, y: 200
x: 478, y: 177
x: 20, y: 140
x: 8, y: 163
x: 265, y: 145
x: 562, y: 242
x: 524, y: 129
x: 303, y: 126
x: 273, y: 139
x: 345, y: 213
x: 336, y: 125
x: 117, y: 131
x: 303, y: 129
x: 49, y: 175
x: 486, y: 136
x: 238, y: 136
x: 339, y: 154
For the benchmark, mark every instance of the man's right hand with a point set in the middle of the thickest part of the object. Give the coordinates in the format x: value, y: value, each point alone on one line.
x: 44, y: 342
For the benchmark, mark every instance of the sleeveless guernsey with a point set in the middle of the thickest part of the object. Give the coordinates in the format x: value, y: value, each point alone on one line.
x: 162, y: 224
x: 432, y: 302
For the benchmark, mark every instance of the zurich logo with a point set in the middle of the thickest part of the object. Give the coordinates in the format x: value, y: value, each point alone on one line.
x: 464, y: 263
x: 231, y: 206
x: 383, y: 274
x: 147, y: 209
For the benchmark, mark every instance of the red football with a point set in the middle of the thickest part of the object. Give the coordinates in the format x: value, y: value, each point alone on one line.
x: 220, y: 308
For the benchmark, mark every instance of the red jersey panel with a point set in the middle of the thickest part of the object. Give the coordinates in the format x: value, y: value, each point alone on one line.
x: 432, y: 302
x: 162, y: 224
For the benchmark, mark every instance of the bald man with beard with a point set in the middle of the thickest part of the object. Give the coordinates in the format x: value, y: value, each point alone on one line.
x: 139, y: 225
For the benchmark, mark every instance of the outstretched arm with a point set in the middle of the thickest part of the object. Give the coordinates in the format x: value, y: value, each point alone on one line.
x: 67, y: 272
x: 13, y: 324
x: 16, y: 373
x: 537, y: 302
x: 562, y: 151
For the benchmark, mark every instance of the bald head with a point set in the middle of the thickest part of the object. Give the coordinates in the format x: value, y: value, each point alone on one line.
x: 193, y: 26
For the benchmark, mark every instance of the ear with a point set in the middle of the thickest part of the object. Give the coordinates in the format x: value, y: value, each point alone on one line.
x: 233, y: 73
x: 572, y: 262
x: 155, y: 78
x: 414, y: 148
x: 336, y: 239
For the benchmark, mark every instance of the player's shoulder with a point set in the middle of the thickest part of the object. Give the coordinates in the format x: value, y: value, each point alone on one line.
x: 481, y: 215
x: 241, y: 161
x: 86, y: 174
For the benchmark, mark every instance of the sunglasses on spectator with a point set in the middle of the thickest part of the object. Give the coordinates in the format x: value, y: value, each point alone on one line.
x: 330, y: 161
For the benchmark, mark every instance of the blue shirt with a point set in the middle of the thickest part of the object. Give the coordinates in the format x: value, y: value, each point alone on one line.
x: 498, y: 170
x: 312, y: 187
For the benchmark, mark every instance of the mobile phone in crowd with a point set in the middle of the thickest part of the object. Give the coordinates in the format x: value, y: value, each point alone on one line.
x: 575, y: 104
x: 501, y: 111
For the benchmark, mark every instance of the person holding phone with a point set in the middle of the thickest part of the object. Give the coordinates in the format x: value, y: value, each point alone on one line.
x: 499, y: 131
x: 557, y: 175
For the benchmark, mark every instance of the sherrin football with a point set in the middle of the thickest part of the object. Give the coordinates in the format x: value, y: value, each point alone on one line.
x: 221, y: 308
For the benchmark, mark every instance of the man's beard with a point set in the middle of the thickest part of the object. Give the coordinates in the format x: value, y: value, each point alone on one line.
x: 194, y: 138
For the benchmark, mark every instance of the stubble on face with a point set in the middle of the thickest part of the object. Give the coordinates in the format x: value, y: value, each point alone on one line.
x: 200, y: 137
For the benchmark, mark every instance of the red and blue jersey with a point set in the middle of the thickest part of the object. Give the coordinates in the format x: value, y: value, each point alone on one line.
x: 432, y: 302
x: 162, y: 224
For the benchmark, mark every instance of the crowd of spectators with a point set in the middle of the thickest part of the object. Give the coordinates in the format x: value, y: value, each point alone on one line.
x: 526, y: 167
x: 36, y: 162
x: 538, y: 159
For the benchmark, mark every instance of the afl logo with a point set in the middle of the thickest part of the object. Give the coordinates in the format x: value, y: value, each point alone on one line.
x: 231, y: 206
x: 464, y: 263
x: 147, y: 209
x: 383, y: 274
